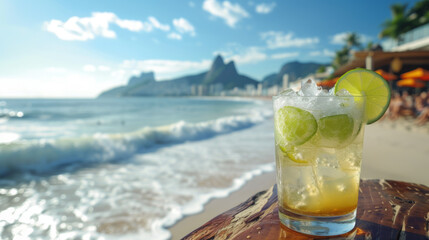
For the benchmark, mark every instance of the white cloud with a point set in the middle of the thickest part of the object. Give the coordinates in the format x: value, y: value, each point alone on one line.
x: 315, y: 53
x: 242, y: 55
x: 134, y: 25
x: 175, y: 36
x: 365, y: 38
x: 118, y: 74
x: 340, y: 38
x: 93, y: 68
x: 184, y: 26
x: 285, y: 55
x: 280, y: 40
x: 83, y: 29
x: 87, y: 28
x: 328, y: 53
x: 324, y: 52
x: 191, y: 4
x: 55, y: 70
x: 103, y: 68
x: 165, y: 68
x: 66, y: 84
x: 231, y: 13
x: 265, y: 8
x: 156, y: 24
x: 250, y: 55
x: 89, y: 68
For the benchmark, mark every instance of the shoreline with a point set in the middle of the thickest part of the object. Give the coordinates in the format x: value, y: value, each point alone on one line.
x: 217, y: 206
x: 394, y: 150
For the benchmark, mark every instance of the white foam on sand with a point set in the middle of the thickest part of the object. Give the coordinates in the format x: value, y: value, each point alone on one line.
x: 159, y: 227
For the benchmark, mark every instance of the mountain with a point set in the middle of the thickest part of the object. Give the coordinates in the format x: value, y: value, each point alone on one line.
x: 220, y: 76
x: 227, y: 75
x: 143, y: 78
x: 295, y: 70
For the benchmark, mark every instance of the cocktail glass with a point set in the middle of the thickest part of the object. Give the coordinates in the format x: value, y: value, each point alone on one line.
x: 318, y: 161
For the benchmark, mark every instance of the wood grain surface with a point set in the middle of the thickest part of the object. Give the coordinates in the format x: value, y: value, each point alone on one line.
x: 386, y: 210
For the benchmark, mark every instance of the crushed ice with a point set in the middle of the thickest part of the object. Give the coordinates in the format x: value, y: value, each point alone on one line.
x: 318, y: 101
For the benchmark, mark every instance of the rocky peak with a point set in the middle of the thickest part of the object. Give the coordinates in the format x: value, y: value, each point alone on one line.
x: 144, y: 77
x: 230, y: 68
x: 217, y: 63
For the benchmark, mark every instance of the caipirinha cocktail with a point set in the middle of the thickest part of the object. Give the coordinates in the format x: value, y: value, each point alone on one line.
x: 319, y: 142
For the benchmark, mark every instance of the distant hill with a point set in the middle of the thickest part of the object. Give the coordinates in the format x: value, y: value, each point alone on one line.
x: 295, y: 70
x: 220, y: 75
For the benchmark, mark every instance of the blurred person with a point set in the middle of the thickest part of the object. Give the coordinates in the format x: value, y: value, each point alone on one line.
x: 407, y: 108
x: 420, y: 102
x: 422, y: 108
x: 395, y: 106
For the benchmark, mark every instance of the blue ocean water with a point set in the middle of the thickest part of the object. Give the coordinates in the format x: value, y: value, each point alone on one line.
x: 123, y: 168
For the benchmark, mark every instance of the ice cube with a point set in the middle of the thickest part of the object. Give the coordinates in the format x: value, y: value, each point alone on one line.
x: 324, y: 93
x: 288, y: 93
x: 343, y: 93
x: 280, y: 102
x: 310, y: 88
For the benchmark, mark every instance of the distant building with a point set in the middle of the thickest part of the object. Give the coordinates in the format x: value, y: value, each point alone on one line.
x: 215, y: 89
x: 194, y: 90
x: 274, y: 90
x: 285, y: 81
x: 259, y: 90
x: 414, y: 40
x: 396, y: 62
x: 201, y: 91
x: 409, y: 53
x: 250, y: 90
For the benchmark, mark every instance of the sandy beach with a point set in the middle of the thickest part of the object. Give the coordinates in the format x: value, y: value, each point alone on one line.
x: 396, y: 150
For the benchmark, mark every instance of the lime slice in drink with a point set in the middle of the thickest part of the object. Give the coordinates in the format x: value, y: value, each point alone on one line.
x: 294, y: 126
x: 301, y: 154
x: 336, y: 130
x: 363, y: 82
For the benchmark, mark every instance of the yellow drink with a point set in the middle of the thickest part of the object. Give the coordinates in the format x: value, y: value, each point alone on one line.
x: 326, y: 185
x: 318, y: 158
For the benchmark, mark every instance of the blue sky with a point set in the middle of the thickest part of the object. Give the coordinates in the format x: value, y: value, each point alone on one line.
x: 80, y: 48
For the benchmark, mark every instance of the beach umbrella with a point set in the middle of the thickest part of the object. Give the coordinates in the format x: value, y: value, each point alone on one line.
x: 386, y: 75
x: 328, y: 83
x: 410, y: 82
x: 418, y: 73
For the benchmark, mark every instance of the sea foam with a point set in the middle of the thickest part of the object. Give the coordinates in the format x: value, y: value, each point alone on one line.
x: 50, y: 154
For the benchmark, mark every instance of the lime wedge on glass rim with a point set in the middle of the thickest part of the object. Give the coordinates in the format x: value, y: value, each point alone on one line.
x: 293, y: 127
x: 363, y: 82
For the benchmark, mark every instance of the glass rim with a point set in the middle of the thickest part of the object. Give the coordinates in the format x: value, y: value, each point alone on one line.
x: 352, y: 96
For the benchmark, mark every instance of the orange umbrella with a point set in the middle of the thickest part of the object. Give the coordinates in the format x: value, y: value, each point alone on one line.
x: 418, y: 73
x: 328, y: 82
x: 410, y: 82
x: 386, y: 75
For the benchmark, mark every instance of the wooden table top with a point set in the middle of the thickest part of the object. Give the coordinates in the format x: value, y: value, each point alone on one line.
x: 386, y: 210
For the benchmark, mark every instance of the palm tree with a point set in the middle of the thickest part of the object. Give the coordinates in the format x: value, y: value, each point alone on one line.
x: 399, y: 23
x: 419, y: 14
x: 404, y: 20
x: 369, y: 46
x: 341, y: 57
x: 321, y: 69
x: 353, y: 40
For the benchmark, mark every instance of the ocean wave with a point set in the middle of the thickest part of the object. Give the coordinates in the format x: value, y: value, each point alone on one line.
x: 46, y: 155
x: 8, y: 113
